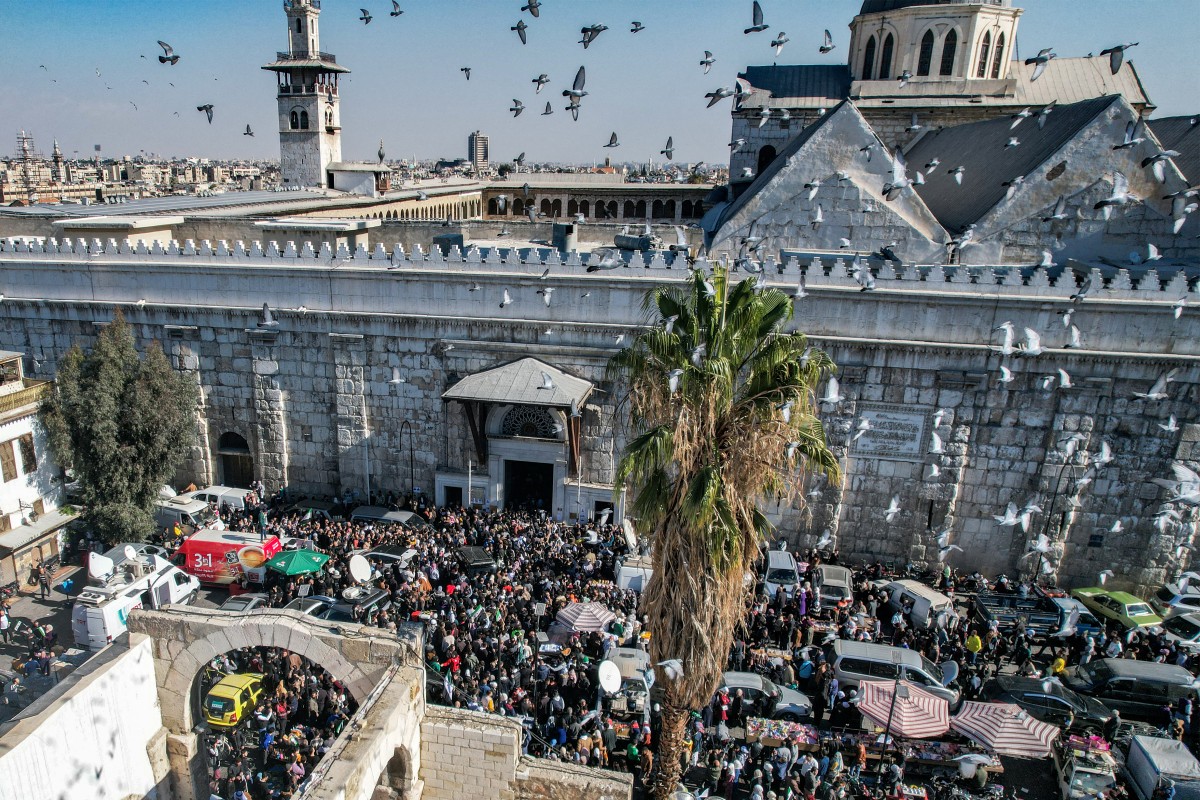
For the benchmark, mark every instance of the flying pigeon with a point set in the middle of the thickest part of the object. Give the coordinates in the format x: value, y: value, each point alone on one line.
x: 207, y: 109
x: 637, y: 27
x: 1044, y: 114
x: 758, y: 25
x: 540, y: 80
x: 832, y: 395
x: 465, y: 71
x: 904, y: 78
x: 520, y: 28
x: 779, y: 41
x: 517, y: 108
x: 827, y: 44
x: 707, y: 61
x: 395, y: 9
x: 590, y: 33
x: 507, y: 300
x: 547, y: 381
x: 669, y: 150
x: 248, y: 131
x: 893, y: 510
x: 1116, y: 55
x: 612, y: 140
x: 1041, y: 60
x: 168, y: 56
x: 534, y: 7
x: 1159, y: 390
x: 673, y: 380
x: 396, y: 378
x: 1135, y: 134
x: 268, y: 319
x: 366, y: 16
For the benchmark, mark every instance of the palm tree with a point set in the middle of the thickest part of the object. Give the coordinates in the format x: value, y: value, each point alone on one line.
x: 722, y: 409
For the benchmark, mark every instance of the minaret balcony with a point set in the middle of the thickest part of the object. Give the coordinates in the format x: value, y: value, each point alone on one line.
x: 325, y: 89
x: 306, y: 55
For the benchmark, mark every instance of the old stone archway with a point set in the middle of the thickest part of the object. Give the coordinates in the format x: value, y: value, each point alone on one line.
x: 184, y: 640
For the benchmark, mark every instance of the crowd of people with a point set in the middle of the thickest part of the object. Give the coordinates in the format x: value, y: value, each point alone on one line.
x: 487, y: 647
x: 295, y: 720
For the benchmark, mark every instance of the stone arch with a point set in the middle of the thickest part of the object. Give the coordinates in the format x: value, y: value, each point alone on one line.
x: 398, y: 776
x: 868, y: 66
x: 493, y: 206
x: 547, y: 208
x: 669, y: 207
x: 925, y: 54
x: 639, y: 209
x: 657, y: 209
x: 235, y: 460
x: 600, y: 213
x: 612, y: 208
x: 272, y: 628
x: 572, y: 207
x: 630, y: 208
x: 583, y: 207
x: 518, y: 207
x: 949, y: 51
x: 885, y: 57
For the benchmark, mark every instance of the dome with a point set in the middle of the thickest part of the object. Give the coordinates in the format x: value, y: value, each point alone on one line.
x: 878, y: 6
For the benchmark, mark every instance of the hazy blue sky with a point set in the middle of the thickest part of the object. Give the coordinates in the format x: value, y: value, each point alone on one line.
x: 407, y: 89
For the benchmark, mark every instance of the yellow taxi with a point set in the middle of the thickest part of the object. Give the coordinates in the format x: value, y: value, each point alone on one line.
x: 232, y: 699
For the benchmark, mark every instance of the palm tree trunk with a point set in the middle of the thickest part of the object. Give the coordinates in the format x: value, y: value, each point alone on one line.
x: 670, y: 750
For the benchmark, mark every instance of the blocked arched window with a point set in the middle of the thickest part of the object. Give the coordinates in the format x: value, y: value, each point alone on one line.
x: 868, y: 68
x: 295, y: 120
x: 885, y: 58
x: 925, y: 58
x: 765, y: 156
x: 948, y: 50
x: 998, y: 57
x: 985, y: 50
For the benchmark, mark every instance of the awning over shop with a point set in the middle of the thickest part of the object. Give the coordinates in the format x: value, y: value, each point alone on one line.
x: 522, y: 382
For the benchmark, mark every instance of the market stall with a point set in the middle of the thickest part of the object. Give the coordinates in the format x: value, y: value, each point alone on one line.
x: 1005, y: 729
x: 904, y: 709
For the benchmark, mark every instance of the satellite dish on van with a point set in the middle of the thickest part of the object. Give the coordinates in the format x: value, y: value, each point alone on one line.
x: 360, y: 570
x: 610, y: 676
x: 130, y: 553
x: 99, y: 566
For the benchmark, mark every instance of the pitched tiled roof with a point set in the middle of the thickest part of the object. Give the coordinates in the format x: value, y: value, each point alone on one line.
x: 800, y: 85
x: 1181, y: 134
x: 520, y: 383
x: 979, y: 147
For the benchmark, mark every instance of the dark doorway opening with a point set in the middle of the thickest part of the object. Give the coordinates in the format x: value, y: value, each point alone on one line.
x: 454, y: 496
x: 599, y: 507
x: 237, y: 465
x: 528, y: 485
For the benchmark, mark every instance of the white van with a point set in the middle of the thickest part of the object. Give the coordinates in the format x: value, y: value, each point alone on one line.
x: 866, y: 661
x: 833, y: 585
x: 632, y: 700
x: 101, y: 610
x: 381, y: 514
x: 781, y: 573
x: 218, y: 496
x: 634, y: 573
x: 921, y: 604
x: 192, y: 515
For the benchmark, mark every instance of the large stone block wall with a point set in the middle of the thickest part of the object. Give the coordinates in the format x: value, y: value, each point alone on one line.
x: 472, y: 754
x: 923, y: 341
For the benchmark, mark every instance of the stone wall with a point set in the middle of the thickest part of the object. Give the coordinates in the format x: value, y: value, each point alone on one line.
x: 922, y: 342
x: 472, y: 754
x: 81, y: 740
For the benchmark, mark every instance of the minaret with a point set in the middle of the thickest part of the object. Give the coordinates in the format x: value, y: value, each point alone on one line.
x: 57, y: 173
x: 310, y: 129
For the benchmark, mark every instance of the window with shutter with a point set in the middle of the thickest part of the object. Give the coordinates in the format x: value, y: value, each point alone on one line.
x: 8, y: 462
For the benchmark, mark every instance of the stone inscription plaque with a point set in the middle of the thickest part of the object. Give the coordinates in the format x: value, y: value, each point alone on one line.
x: 897, y: 432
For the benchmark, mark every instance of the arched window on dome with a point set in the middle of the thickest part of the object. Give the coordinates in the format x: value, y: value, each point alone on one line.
x: 869, y: 60
x: 948, y: 50
x: 997, y: 59
x: 885, y: 58
x: 984, y: 51
x: 925, y: 59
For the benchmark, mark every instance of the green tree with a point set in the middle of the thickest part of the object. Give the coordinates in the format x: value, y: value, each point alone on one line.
x: 122, y: 423
x: 722, y: 404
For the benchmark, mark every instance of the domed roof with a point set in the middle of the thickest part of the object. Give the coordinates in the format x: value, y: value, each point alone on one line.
x: 877, y: 6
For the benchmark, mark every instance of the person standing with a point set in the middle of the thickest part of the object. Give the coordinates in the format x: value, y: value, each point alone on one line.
x: 42, y: 579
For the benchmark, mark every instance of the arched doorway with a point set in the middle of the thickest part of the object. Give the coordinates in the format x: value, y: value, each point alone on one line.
x: 236, y: 461
x: 765, y: 157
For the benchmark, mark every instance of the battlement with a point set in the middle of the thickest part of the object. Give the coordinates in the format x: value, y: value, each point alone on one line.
x: 1055, y: 283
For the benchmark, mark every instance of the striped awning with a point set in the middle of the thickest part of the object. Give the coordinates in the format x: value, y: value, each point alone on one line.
x: 1004, y: 729
x: 916, y: 714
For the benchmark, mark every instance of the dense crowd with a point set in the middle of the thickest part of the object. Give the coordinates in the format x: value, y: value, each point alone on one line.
x: 487, y: 647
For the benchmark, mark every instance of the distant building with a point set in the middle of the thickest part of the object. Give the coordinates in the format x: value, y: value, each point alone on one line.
x: 310, y: 128
x: 477, y: 150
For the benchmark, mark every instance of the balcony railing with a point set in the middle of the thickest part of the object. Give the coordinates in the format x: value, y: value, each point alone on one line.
x: 33, y: 392
x: 312, y: 88
x: 308, y: 56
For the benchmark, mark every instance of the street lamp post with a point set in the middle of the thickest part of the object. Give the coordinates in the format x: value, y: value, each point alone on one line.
x: 412, y: 482
x: 897, y: 657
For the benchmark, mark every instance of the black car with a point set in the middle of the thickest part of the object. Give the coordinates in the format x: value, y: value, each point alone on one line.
x: 368, y: 600
x: 1049, y: 701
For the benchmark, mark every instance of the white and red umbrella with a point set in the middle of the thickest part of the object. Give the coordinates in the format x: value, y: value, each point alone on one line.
x: 1004, y: 729
x: 916, y: 714
x: 585, y: 617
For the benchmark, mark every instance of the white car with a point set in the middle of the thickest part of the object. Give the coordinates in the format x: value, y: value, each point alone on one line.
x: 768, y: 698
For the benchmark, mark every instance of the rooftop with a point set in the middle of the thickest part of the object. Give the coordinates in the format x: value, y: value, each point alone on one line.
x: 522, y: 382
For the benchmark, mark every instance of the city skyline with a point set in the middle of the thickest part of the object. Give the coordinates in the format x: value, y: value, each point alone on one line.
x: 431, y: 109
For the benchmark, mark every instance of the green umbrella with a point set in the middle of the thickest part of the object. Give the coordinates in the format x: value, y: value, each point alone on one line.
x: 297, y: 562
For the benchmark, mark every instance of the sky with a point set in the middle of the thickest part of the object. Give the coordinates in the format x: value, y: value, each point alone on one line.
x: 406, y: 87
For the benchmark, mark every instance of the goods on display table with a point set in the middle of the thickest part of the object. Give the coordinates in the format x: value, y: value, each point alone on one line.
x: 918, y: 754
x: 1085, y: 767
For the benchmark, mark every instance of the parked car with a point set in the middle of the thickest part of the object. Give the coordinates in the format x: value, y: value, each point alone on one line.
x: 381, y: 514
x: 1086, y: 623
x: 781, y: 573
x: 232, y: 699
x: 1182, y: 597
x: 244, y: 603
x: 217, y: 496
x: 1138, y: 689
x: 1049, y: 701
x: 313, y: 606
x: 369, y: 600
x: 853, y: 662
x: 1122, y: 607
x: 313, y: 509
x: 834, y: 586
x: 389, y: 554
x: 1183, y: 630
x: 140, y: 550
x: 768, y: 699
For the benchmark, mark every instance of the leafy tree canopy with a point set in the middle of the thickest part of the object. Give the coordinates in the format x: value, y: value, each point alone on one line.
x: 123, y: 423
